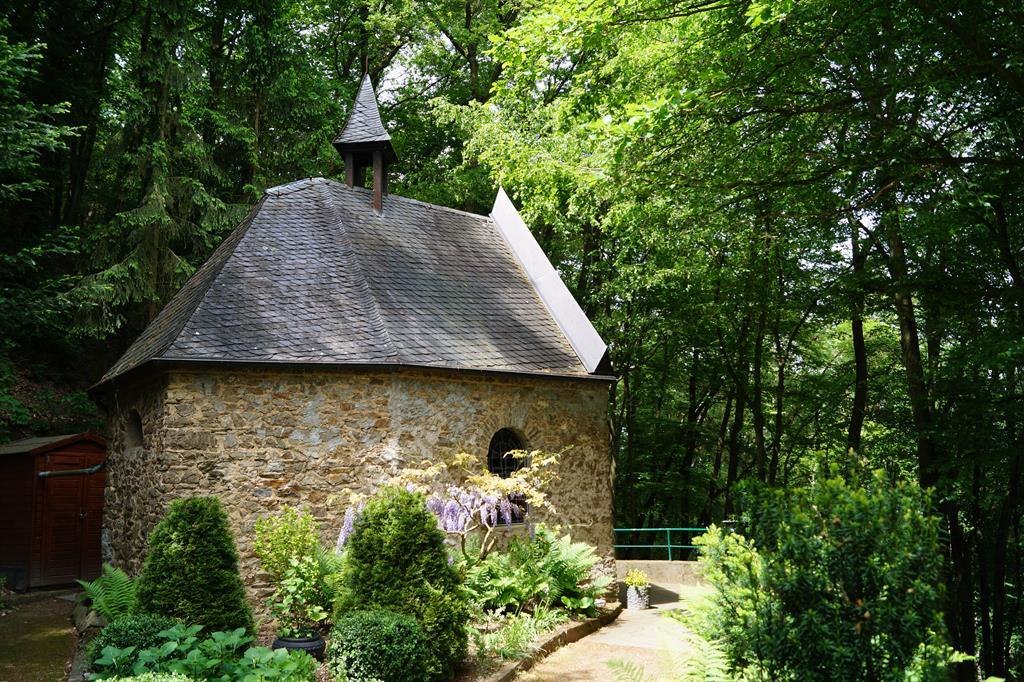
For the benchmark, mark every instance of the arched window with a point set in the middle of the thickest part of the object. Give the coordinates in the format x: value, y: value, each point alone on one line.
x: 133, y: 430
x: 503, y: 442
x: 499, y: 462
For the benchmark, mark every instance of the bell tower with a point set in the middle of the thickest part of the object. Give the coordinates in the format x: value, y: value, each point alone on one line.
x: 364, y: 143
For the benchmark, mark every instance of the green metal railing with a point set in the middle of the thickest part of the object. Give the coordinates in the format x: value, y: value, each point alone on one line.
x: 668, y: 545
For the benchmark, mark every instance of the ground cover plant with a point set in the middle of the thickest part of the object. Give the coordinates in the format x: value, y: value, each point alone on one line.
x: 153, y: 677
x: 513, y: 635
x: 139, y: 630
x: 837, y: 580
x: 223, y: 656
x: 191, y: 569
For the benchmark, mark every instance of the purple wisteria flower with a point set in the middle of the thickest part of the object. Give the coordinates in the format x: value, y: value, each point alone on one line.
x: 459, y: 509
x: 347, y: 526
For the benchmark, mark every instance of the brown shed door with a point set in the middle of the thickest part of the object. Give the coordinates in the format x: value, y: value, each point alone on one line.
x: 69, y: 514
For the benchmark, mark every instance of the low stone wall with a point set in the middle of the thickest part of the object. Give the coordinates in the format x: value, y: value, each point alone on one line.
x: 663, y: 573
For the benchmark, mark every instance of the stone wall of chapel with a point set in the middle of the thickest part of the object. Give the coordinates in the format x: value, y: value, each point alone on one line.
x: 260, y: 440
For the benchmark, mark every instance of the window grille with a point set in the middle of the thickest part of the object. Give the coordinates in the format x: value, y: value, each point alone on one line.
x: 499, y: 462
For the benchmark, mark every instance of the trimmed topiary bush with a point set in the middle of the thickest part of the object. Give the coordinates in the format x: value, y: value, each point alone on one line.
x: 191, y: 571
x: 141, y: 630
x: 396, y: 560
x: 377, y: 645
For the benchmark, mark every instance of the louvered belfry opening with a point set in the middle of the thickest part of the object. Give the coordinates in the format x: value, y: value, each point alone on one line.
x: 365, y: 143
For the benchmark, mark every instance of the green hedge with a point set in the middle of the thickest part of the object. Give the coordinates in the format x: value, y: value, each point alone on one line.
x: 141, y: 630
x: 377, y: 645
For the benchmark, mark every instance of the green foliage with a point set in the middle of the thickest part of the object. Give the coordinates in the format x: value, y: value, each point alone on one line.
x: 282, y: 538
x: 514, y: 635
x: 152, y: 677
x: 112, y: 595
x: 396, y: 560
x: 839, y: 579
x: 298, y: 604
x: 540, y: 571
x: 290, y: 552
x: 737, y: 193
x: 140, y: 630
x: 27, y: 127
x: 377, y: 645
x: 222, y: 656
x: 191, y: 571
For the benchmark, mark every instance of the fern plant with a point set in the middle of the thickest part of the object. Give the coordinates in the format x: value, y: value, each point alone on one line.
x: 543, y: 571
x: 112, y: 594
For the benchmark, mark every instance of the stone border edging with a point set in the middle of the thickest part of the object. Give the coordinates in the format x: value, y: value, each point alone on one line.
x: 560, y: 638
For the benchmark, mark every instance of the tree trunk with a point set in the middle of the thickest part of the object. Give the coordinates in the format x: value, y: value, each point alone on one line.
x: 734, y: 436
x: 716, y: 467
x: 860, y: 355
x: 757, y: 402
x: 917, y: 388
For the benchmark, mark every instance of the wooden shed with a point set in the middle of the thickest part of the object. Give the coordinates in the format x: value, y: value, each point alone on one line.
x: 51, y: 509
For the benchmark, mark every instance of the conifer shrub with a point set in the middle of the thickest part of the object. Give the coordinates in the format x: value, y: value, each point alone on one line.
x: 191, y: 571
x: 377, y: 645
x: 396, y: 560
x: 837, y: 580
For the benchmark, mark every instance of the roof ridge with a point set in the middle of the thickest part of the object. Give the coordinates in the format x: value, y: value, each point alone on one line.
x: 356, y: 266
x: 367, y: 190
x: 294, y: 186
x: 210, y: 268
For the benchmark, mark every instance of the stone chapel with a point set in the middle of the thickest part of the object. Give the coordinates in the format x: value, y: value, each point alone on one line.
x: 340, y: 331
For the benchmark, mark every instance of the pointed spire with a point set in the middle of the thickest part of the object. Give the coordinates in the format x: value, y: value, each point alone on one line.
x: 364, y: 130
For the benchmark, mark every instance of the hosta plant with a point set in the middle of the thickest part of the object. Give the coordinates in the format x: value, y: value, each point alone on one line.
x: 221, y: 656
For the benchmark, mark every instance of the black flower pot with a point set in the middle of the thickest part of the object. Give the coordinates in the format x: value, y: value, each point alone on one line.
x: 314, y: 646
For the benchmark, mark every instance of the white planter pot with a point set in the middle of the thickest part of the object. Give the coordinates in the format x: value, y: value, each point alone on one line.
x: 638, y: 598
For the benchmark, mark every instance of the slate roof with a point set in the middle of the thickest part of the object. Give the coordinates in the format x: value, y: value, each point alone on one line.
x: 40, y: 444
x: 364, y: 124
x: 314, y: 275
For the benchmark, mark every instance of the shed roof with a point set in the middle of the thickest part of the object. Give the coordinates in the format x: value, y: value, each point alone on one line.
x: 40, y: 444
x: 314, y: 276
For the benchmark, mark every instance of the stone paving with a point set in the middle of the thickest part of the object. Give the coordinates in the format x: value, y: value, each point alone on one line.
x: 646, y: 639
x: 36, y: 638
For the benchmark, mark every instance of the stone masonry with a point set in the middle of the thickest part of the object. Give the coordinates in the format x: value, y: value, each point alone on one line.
x: 263, y: 439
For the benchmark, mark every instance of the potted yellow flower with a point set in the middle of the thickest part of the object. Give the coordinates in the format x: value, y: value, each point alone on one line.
x: 638, y: 590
